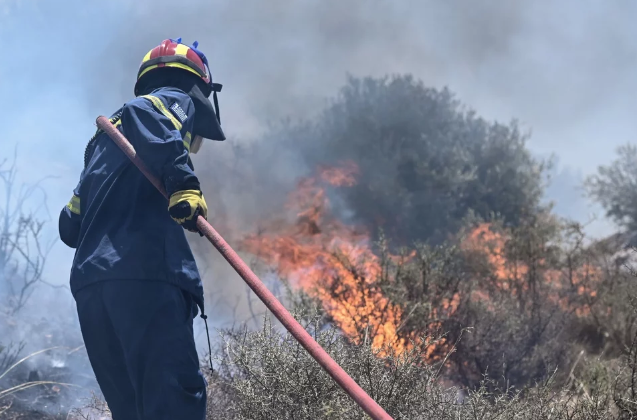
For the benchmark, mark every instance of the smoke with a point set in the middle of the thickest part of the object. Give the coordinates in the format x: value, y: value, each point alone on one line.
x: 564, y: 69
x: 283, y: 58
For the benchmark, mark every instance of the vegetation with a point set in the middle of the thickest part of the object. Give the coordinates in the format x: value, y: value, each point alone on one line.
x: 530, y: 320
x: 425, y: 161
x: 613, y: 186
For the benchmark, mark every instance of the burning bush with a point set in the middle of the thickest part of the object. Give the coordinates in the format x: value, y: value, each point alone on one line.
x: 425, y: 162
x: 532, y: 296
x: 332, y: 261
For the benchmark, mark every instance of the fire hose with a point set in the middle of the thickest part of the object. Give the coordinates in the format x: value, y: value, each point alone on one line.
x: 341, y: 377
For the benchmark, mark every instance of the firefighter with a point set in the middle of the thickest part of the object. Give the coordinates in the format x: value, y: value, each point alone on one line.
x: 134, y: 277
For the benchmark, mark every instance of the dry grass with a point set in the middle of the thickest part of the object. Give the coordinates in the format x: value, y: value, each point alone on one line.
x: 266, y: 374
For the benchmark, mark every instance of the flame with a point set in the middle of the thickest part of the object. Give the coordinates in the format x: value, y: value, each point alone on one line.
x: 342, y: 176
x: 332, y: 261
x: 492, y: 244
x: 511, y: 275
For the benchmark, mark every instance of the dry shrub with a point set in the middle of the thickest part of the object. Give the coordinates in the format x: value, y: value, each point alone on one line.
x: 266, y: 374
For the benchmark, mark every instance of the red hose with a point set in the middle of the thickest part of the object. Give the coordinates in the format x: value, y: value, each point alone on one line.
x: 370, y: 406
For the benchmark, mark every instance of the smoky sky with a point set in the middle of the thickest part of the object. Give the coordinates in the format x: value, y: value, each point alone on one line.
x: 564, y: 69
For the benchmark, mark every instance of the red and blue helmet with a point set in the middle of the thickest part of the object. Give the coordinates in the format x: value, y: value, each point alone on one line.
x: 173, y: 53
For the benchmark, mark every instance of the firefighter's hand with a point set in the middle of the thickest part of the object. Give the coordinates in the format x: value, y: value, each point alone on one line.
x: 185, y: 206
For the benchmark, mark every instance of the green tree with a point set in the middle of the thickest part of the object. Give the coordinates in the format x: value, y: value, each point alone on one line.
x: 425, y: 161
x: 615, y: 187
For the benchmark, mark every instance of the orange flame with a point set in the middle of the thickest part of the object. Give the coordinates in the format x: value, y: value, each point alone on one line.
x: 511, y: 275
x: 343, y: 176
x: 332, y: 261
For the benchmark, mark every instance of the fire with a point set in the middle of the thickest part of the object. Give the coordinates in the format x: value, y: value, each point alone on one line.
x: 343, y: 176
x: 332, y: 261
x: 511, y: 275
x: 492, y: 244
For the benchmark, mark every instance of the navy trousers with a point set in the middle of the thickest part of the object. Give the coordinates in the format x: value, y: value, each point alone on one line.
x: 139, y: 339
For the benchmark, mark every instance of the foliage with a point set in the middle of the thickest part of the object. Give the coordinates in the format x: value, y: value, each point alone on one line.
x: 266, y: 374
x: 614, y: 186
x: 533, y: 323
x: 425, y: 161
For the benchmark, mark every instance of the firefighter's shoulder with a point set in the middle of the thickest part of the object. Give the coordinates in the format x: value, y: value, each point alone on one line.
x: 171, y: 102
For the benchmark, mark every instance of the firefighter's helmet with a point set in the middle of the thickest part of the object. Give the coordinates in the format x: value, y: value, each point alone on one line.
x: 173, y: 53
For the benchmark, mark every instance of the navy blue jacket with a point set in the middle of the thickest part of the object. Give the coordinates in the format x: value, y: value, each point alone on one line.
x: 117, y: 221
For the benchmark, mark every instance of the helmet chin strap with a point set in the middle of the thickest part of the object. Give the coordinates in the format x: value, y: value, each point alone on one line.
x: 215, y: 101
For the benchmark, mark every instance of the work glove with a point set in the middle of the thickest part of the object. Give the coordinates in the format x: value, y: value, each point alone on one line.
x: 185, y: 206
